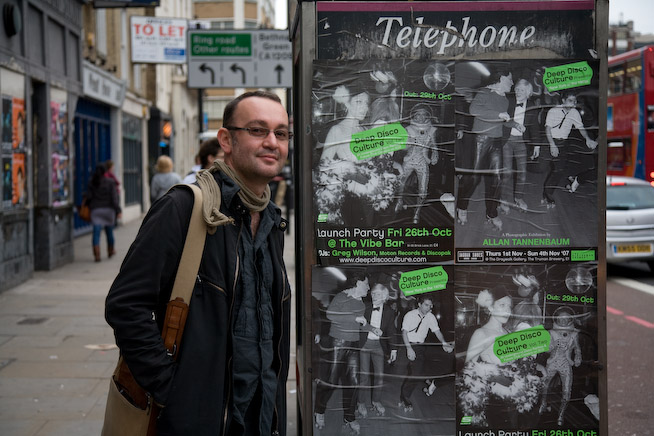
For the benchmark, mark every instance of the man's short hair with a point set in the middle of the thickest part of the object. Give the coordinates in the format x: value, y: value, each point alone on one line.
x: 210, y: 147
x: 494, y: 77
x: 421, y: 298
x: 228, y: 114
x: 354, y: 276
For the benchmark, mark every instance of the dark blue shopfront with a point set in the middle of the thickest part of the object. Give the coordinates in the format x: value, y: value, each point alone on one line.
x: 92, y: 146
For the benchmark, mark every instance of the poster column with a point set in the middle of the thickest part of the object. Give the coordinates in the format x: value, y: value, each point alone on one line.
x: 455, y: 216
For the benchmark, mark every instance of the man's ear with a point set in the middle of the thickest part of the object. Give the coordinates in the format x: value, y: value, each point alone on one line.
x: 225, y: 139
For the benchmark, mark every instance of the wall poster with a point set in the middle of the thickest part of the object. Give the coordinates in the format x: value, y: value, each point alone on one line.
x: 455, y: 183
x: 14, y: 176
x: 60, y: 153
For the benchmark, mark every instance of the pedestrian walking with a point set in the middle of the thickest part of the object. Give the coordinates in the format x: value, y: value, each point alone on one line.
x: 164, y: 179
x: 102, y: 198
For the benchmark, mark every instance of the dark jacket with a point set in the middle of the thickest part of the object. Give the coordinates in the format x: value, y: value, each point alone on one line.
x: 532, y: 134
x: 104, y: 194
x: 195, y: 391
x: 390, y: 338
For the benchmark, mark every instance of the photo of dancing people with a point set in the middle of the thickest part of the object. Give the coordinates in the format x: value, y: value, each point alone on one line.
x: 526, y: 347
x: 526, y: 159
x: 383, y: 360
x: 383, y: 155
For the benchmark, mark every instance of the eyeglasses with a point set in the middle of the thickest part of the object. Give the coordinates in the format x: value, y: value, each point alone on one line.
x: 262, y: 132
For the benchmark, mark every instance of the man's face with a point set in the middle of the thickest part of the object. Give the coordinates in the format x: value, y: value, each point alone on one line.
x: 425, y: 306
x: 377, y: 295
x: 362, y: 288
x: 521, y: 92
x: 256, y: 160
x: 570, y: 101
x: 506, y: 82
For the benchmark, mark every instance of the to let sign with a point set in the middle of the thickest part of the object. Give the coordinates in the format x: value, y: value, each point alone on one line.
x: 234, y: 59
x: 158, y: 40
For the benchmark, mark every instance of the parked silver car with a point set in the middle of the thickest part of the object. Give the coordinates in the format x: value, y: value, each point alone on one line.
x: 629, y: 220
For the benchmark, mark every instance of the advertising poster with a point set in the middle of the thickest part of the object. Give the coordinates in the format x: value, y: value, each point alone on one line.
x: 526, y: 347
x: 7, y: 188
x: 60, y: 182
x: 455, y: 156
x: 526, y: 161
x: 14, y: 176
x: 18, y: 118
x: 60, y: 155
x: 384, y: 357
x: 7, y: 126
x: 383, y: 161
x: 18, y: 180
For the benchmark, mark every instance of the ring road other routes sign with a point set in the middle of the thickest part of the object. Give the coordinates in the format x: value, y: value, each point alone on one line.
x: 239, y: 59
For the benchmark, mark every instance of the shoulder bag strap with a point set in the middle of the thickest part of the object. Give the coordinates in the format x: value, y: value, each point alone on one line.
x: 192, y: 253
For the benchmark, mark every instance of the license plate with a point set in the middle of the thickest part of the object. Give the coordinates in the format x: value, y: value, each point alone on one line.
x: 633, y: 248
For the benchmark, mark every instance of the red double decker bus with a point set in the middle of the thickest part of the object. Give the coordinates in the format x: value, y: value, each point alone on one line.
x: 630, y: 126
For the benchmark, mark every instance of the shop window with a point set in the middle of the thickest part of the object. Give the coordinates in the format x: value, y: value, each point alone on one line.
x: 132, y: 146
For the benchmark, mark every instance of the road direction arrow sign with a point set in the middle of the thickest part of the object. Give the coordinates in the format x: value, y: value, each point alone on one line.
x: 239, y: 59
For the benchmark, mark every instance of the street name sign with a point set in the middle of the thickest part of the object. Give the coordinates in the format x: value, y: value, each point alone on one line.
x: 239, y: 59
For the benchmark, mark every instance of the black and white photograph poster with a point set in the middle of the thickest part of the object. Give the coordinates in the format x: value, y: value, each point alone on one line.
x: 383, y: 351
x: 526, y: 161
x: 526, y: 349
x: 383, y: 166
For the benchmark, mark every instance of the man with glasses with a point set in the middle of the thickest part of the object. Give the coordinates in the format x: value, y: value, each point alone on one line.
x: 558, y: 126
x: 230, y: 375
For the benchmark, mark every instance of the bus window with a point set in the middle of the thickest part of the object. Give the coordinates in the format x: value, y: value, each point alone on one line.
x: 650, y: 118
x: 633, y: 77
x: 616, y: 77
x: 615, y: 156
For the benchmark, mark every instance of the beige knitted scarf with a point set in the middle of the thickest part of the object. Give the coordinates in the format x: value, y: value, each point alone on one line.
x: 212, y: 197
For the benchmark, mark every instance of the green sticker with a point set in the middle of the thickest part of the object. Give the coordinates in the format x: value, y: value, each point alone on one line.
x: 423, y: 280
x: 522, y: 343
x: 380, y: 140
x: 322, y: 217
x: 567, y: 76
x: 582, y: 255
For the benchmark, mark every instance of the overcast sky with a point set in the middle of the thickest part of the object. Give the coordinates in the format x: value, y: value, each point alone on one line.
x: 281, y: 14
x: 639, y: 11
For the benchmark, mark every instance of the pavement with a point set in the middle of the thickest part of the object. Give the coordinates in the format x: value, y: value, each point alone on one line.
x: 57, y: 353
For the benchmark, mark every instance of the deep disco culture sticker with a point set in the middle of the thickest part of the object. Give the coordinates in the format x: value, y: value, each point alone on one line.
x: 423, y: 280
x: 378, y: 141
x: 567, y: 76
x: 522, y: 343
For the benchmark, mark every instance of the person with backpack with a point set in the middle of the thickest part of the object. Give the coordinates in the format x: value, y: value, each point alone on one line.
x: 231, y: 369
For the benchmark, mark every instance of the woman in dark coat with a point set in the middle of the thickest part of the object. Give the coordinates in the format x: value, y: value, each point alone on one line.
x: 102, y: 197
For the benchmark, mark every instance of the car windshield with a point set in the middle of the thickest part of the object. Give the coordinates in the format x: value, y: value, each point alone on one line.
x: 628, y: 197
